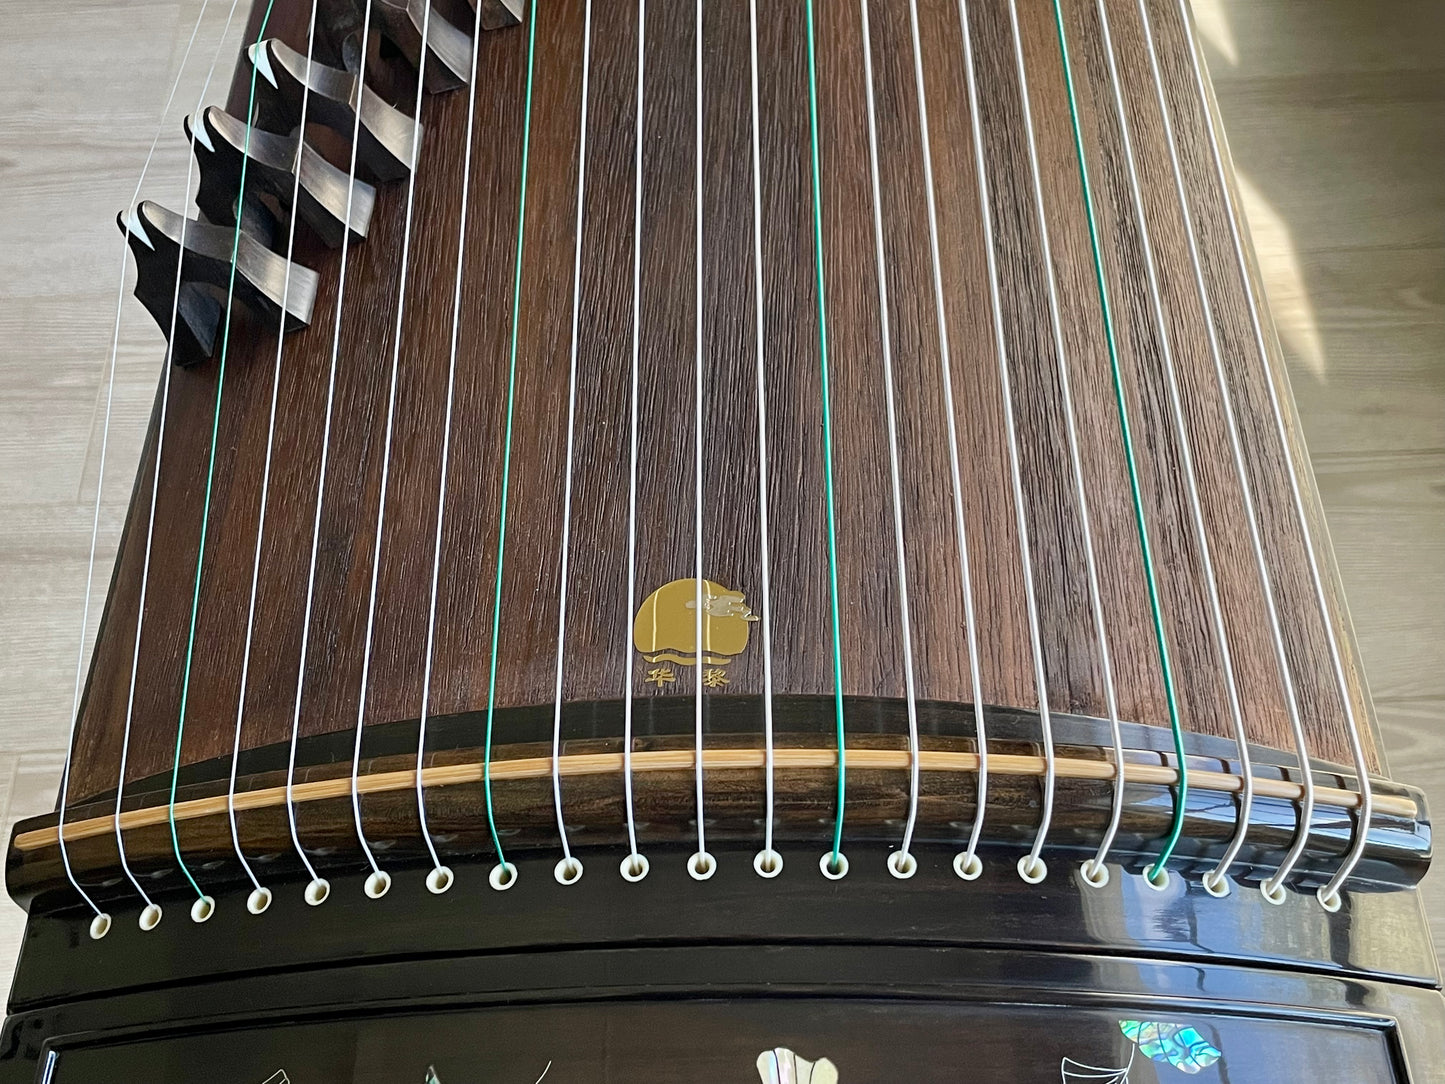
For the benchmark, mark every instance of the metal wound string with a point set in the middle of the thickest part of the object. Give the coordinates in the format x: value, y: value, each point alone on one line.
x: 634, y: 865
x: 152, y: 915
x: 569, y: 868
x: 1181, y: 432
x: 900, y: 863
x: 834, y: 863
x: 1126, y: 436
x: 1247, y: 494
x: 101, y: 918
x: 261, y: 897
x: 701, y: 864
x: 319, y: 889
x: 1031, y: 866
x: 440, y: 877
x: 1329, y: 894
x: 1093, y: 870
x: 768, y: 862
x: 505, y: 873
x: 378, y: 883
x: 201, y: 910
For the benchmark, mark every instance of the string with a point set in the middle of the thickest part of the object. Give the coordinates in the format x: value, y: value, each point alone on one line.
x: 633, y: 861
x: 1141, y: 526
x: 1329, y: 894
x: 700, y: 861
x: 901, y: 863
x: 502, y: 863
x: 260, y: 898
x: 100, y: 480
x: 769, y: 862
x: 318, y: 889
x: 1093, y: 870
x: 440, y: 878
x: 211, y: 476
x: 1031, y: 866
x: 380, y: 881
x: 568, y: 861
x: 1246, y: 492
x: 834, y: 858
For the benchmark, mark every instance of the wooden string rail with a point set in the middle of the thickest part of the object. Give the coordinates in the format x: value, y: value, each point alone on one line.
x: 930, y: 760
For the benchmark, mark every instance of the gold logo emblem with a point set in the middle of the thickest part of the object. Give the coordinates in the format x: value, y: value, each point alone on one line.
x: 666, y: 628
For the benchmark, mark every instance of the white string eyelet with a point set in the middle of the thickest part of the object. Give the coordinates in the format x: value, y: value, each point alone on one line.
x: 258, y: 900
x: 1216, y: 884
x: 318, y: 891
x: 203, y: 909
x: 1157, y: 878
x: 767, y: 863
x: 568, y: 871
x: 1330, y: 901
x: 439, y: 880
x: 1094, y: 873
x: 701, y: 866
x: 968, y: 865
x: 150, y: 917
x: 99, y: 926
x: 1273, y: 892
x: 1032, y: 869
x: 503, y: 876
x: 378, y: 884
x: 902, y: 865
x: 834, y: 865
x: 635, y: 867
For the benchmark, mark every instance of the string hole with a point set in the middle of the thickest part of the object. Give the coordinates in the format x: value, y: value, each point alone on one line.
x: 203, y: 909
x: 701, y: 866
x: 568, y: 871
x: 834, y: 865
x: 1216, y: 884
x: 150, y: 916
x: 1273, y: 892
x: 767, y: 863
x: 503, y: 876
x: 635, y: 867
x: 968, y: 865
x: 1033, y: 869
x: 258, y: 900
x: 439, y: 880
x: 1157, y: 878
x: 99, y: 926
x: 1330, y: 901
x: 317, y: 891
x: 378, y: 884
x: 902, y: 865
x: 1094, y: 873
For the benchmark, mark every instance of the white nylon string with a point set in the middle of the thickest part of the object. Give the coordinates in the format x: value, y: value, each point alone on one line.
x: 967, y: 862
x: 768, y: 862
x: 100, y: 486
x: 1031, y: 866
x: 567, y: 858
x: 632, y: 861
x: 261, y: 897
x: 440, y: 878
x: 318, y: 889
x: 1181, y: 431
x: 901, y: 862
x: 1246, y: 492
x: 1329, y: 894
x: 701, y: 864
x: 151, y: 915
x: 1093, y: 870
x: 379, y: 881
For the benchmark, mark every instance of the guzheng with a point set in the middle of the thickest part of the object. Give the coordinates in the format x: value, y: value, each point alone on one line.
x: 717, y: 540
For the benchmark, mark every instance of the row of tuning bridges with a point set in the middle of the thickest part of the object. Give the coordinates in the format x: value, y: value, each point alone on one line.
x: 287, y: 174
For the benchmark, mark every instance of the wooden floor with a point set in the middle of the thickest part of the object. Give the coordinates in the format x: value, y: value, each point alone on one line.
x: 1336, y: 115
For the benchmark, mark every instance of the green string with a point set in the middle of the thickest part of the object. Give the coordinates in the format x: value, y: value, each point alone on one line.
x: 827, y: 434
x: 1177, y: 828
x: 211, y: 465
x: 507, y: 446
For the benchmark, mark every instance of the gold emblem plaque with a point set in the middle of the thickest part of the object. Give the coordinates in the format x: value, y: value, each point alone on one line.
x: 666, y: 628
